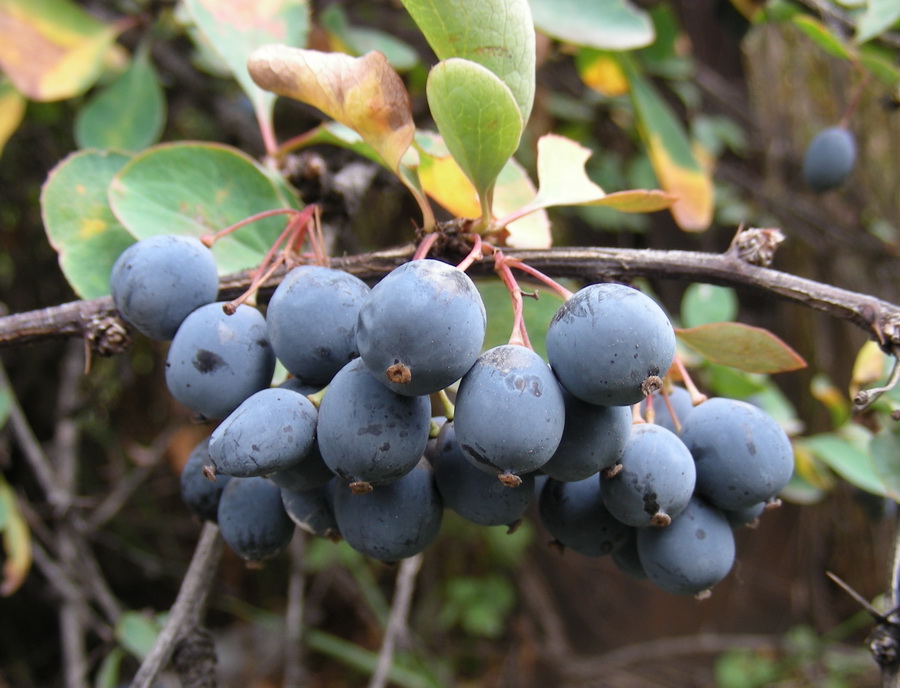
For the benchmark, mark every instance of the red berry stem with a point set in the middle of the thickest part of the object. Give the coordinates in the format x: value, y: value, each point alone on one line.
x: 209, y: 239
x: 519, y: 335
x: 475, y: 254
x: 537, y: 274
x: 425, y: 246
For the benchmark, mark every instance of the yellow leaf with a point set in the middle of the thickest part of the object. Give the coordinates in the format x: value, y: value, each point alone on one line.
x: 446, y: 183
x: 363, y: 93
x: 604, y: 75
x: 51, y: 50
x: 869, y: 367
x: 693, y: 210
x: 16, y: 541
x: 12, y: 109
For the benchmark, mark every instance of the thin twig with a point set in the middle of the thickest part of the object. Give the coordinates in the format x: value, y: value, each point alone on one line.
x: 294, y: 669
x: 189, y: 605
x: 396, y: 626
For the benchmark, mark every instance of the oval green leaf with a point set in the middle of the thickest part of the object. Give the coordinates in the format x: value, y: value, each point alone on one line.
x: 79, y: 222
x: 478, y: 119
x: 137, y: 633
x: 846, y: 459
x: 747, y: 348
x: 885, y: 451
x: 604, y: 24
x: 497, y: 34
x: 196, y: 189
x: 880, y: 15
x: 129, y: 114
x: 819, y: 34
x: 703, y: 304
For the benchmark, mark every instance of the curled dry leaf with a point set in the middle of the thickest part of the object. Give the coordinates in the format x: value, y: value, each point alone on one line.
x: 363, y: 93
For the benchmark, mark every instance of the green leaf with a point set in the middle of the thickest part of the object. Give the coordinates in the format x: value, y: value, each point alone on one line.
x: 5, y: 403
x: 703, y: 304
x: 880, y: 15
x: 885, y: 451
x: 360, y: 40
x: 880, y: 63
x: 12, y: 110
x: 671, y: 155
x: 604, y: 24
x: 197, y: 189
x: 497, y: 34
x: 137, y: 633
x: 52, y: 49
x: 478, y: 119
x: 79, y: 222
x: 108, y: 672
x: 16, y: 541
x: 236, y: 29
x: 748, y: 348
x: 127, y: 115
x: 846, y: 459
x: 822, y: 36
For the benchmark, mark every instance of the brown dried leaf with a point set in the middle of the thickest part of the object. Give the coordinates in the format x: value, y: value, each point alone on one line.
x: 363, y: 93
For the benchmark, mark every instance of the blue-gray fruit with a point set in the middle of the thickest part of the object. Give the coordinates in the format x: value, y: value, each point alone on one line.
x: 158, y: 281
x: 310, y: 473
x: 576, y: 517
x: 252, y: 518
x: 610, y: 344
x: 593, y: 439
x: 368, y: 435
x: 690, y: 556
x: 421, y: 327
x: 394, y: 521
x: 200, y: 494
x: 743, y: 456
x: 216, y: 360
x: 270, y: 431
x: 312, y: 510
x: 626, y: 557
x: 829, y: 159
x: 312, y: 321
x: 510, y: 412
x: 655, y: 481
x: 475, y: 495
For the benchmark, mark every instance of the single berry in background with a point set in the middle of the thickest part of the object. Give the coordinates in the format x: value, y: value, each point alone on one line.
x: 199, y: 493
x: 593, y: 439
x: 216, y: 360
x: 311, y: 320
x: 394, y: 521
x: 510, y: 412
x: 475, y: 495
x: 691, y: 555
x: 252, y: 518
x: 829, y: 159
x: 610, y: 345
x: 743, y: 456
x: 421, y: 327
x: 576, y: 517
x: 158, y: 281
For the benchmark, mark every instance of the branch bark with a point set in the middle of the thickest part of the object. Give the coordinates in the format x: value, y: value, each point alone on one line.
x: 97, y: 321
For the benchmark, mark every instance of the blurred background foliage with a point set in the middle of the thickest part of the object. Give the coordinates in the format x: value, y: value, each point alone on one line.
x: 745, y: 85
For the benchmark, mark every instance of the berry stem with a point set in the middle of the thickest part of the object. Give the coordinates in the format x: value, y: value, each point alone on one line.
x: 425, y: 246
x: 537, y: 274
x: 446, y: 404
x: 475, y: 254
x: 519, y: 335
x: 210, y: 239
x: 697, y: 397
